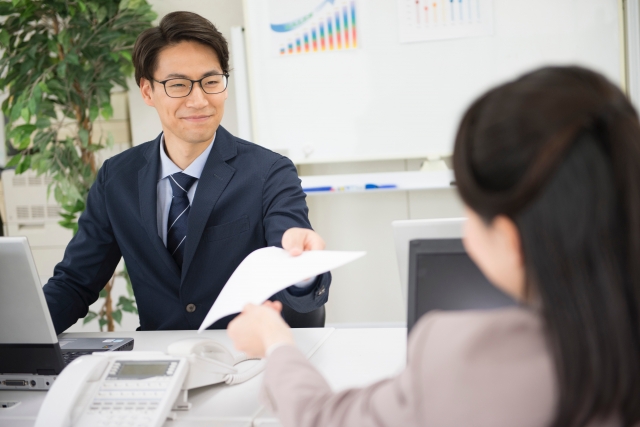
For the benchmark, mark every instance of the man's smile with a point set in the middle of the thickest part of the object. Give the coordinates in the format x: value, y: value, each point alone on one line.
x: 199, y: 118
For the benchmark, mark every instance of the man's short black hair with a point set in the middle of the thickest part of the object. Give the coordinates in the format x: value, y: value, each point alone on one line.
x: 174, y: 28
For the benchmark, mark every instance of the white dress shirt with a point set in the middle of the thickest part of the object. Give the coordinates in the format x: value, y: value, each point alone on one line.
x: 165, y: 193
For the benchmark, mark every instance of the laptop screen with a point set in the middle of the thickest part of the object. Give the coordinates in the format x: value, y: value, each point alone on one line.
x: 443, y: 277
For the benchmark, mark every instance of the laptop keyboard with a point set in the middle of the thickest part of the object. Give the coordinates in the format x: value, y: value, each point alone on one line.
x: 70, y: 356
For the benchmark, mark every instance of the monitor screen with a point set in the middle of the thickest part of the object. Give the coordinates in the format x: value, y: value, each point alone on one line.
x: 443, y: 277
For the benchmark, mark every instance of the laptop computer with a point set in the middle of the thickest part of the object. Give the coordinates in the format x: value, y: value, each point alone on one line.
x: 404, y: 231
x: 443, y: 277
x: 30, y: 354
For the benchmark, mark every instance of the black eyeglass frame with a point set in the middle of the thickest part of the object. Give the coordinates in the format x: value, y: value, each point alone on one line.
x: 193, y: 82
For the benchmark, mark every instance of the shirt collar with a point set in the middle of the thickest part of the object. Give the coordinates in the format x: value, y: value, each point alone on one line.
x: 167, y: 167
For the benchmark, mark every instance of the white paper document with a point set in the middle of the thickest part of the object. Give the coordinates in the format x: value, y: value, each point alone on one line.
x: 267, y: 271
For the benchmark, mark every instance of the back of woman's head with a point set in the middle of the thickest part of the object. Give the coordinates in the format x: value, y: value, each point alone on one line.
x: 558, y: 152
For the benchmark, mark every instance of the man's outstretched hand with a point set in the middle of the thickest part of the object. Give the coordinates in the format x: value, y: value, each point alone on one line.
x: 298, y: 240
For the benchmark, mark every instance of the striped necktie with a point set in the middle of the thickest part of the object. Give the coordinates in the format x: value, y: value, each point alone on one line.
x: 178, y: 215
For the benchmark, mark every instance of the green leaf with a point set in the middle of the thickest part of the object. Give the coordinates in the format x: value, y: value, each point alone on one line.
x: 102, y: 13
x: 107, y: 111
x: 53, y: 46
x: 103, y: 293
x: 25, y: 114
x: 84, y: 137
x: 4, y: 38
x: 109, y: 143
x: 89, y: 317
x: 117, y: 316
x: 14, y: 161
x: 126, y: 55
x: 102, y: 322
x: 24, y: 142
x: 32, y: 105
x: 127, y: 304
x: 123, y: 5
x: 62, y: 69
x: 24, y: 165
x: 19, y: 131
x: 37, y: 92
x: 43, y: 123
x: 15, y: 111
x: 73, y: 59
x: 93, y: 112
x: 5, y: 8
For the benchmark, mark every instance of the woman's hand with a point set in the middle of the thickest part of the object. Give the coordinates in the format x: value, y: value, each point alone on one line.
x: 259, y: 327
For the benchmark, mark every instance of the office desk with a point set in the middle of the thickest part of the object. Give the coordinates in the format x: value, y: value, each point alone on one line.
x: 347, y: 358
x: 355, y: 358
x: 212, y: 406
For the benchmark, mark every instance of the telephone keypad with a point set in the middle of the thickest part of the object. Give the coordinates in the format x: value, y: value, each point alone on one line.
x: 132, y: 393
x: 127, y: 403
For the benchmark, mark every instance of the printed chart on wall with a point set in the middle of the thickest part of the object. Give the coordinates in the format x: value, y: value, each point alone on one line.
x: 312, y: 26
x: 422, y: 20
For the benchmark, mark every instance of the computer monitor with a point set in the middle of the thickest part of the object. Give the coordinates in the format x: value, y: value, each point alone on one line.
x: 405, y: 231
x: 443, y: 277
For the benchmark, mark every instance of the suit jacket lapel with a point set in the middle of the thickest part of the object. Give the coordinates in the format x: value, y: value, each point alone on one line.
x: 148, y: 195
x: 214, y: 179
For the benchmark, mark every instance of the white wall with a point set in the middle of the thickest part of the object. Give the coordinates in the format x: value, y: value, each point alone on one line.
x: 368, y: 290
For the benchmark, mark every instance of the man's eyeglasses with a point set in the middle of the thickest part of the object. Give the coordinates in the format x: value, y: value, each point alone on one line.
x: 179, y: 88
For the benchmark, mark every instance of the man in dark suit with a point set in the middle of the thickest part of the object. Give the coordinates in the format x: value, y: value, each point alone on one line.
x: 185, y: 209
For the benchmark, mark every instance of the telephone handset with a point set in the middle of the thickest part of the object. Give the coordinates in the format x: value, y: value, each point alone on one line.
x: 211, y: 363
x: 137, y: 388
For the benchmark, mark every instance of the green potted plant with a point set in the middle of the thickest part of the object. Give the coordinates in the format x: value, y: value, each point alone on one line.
x: 60, y: 61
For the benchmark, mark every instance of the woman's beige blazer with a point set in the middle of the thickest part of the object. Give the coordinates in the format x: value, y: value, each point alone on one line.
x: 473, y: 368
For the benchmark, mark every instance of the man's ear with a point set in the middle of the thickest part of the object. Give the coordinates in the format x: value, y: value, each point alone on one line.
x: 146, y: 92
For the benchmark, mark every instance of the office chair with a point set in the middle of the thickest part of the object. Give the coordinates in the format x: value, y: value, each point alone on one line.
x: 312, y: 319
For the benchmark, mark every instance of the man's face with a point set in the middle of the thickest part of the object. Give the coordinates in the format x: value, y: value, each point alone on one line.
x: 194, y: 118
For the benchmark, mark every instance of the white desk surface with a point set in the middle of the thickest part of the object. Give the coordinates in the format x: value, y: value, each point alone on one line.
x: 355, y: 358
x: 213, y: 406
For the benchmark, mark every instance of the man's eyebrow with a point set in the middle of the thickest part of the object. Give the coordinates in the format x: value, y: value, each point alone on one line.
x: 183, y: 76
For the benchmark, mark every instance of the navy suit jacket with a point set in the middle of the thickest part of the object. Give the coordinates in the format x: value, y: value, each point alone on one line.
x: 246, y: 198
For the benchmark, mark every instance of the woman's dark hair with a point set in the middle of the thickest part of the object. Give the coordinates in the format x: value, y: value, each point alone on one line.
x: 174, y: 28
x: 558, y: 152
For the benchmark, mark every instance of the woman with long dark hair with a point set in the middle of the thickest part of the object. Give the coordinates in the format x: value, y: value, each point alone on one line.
x: 548, y: 166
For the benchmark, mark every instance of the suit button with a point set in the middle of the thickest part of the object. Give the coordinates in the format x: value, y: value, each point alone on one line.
x: 321, y: 291
x: 191, y: 308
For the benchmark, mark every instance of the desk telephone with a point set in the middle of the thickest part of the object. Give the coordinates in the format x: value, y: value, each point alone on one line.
x: 138, y: 388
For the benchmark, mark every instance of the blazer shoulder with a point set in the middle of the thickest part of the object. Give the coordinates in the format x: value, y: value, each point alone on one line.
x: 127, y: 162
x: 497, y: 362
x: 254, y: 149
x: 484, y: 333
x: 496, y: 359
x: 261, y: 159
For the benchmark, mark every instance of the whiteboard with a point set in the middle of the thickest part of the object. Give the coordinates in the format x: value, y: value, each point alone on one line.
x: 389, y: 100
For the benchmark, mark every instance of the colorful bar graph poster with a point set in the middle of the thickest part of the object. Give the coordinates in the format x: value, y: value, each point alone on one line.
x: 423, y: 20
x: 300, y: 27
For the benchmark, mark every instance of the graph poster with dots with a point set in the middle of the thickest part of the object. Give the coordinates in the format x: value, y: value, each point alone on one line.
x: 302, y: 27
x: 422, y: 20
